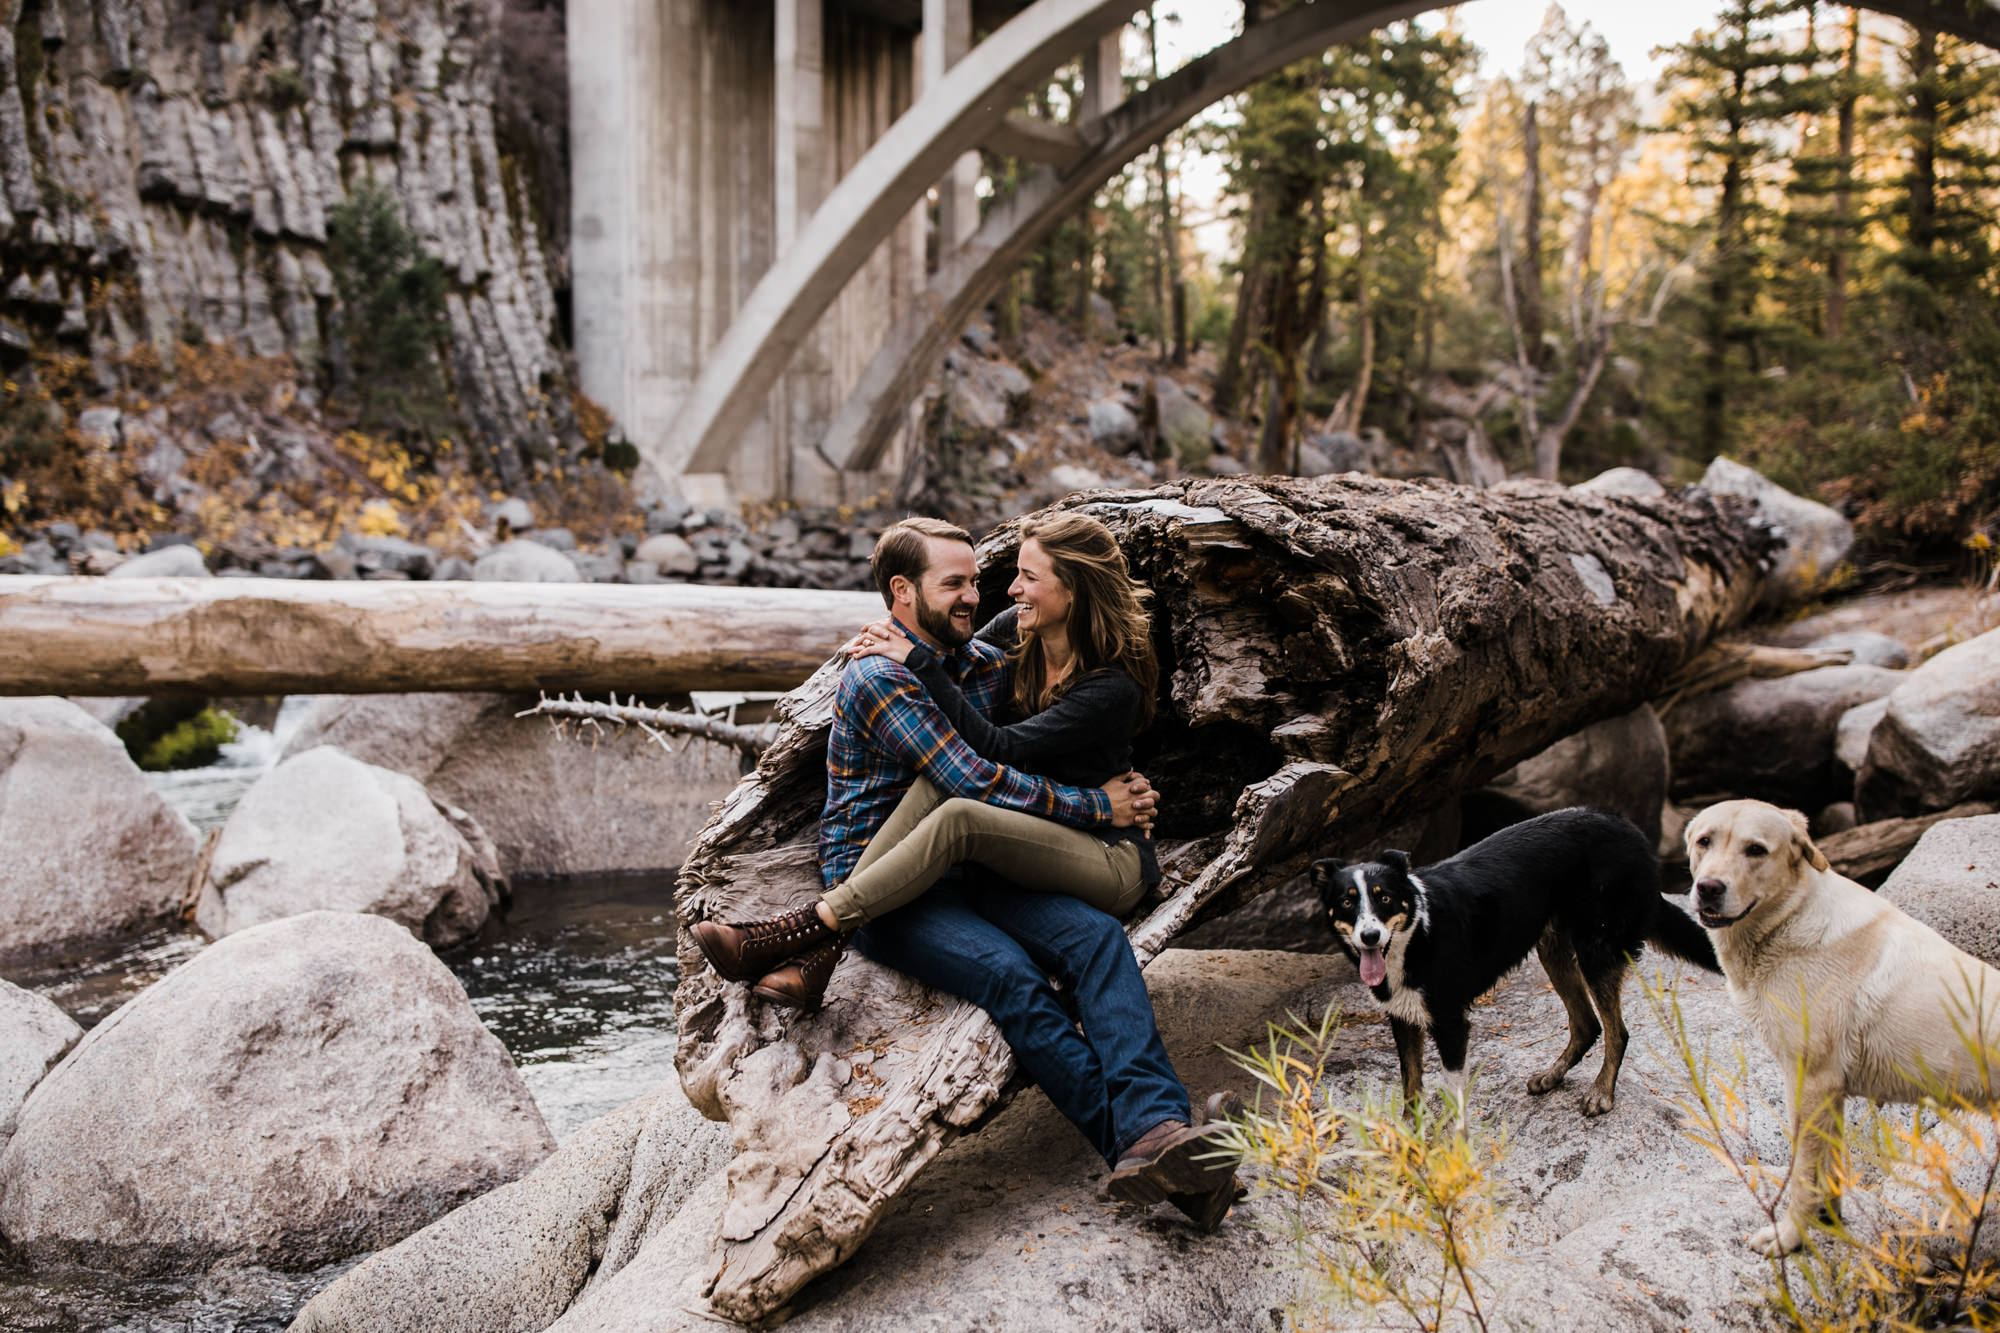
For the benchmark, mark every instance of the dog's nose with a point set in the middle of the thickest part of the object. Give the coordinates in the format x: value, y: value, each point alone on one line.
x: 1710, y: 890
x: 1370, y: 937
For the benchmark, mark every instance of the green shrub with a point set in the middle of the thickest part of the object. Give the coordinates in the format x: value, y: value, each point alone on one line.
x: 176, y: 733
x: 392, y: 303
x: 284, y: 89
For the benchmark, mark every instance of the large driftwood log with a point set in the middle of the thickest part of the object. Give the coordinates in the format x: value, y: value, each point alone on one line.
x: 1337, y: 656
x: 281, y: 636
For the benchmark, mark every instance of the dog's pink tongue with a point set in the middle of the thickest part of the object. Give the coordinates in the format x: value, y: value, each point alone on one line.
x: 1374, y: 968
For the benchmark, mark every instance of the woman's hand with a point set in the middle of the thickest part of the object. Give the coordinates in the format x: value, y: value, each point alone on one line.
x: 1133, y: 802
x: 881, y: 638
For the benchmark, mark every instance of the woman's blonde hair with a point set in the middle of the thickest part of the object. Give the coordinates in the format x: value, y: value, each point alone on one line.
x: 1108, y: 624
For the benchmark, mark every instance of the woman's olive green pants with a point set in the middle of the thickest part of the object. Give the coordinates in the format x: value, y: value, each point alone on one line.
x: 928, y: 834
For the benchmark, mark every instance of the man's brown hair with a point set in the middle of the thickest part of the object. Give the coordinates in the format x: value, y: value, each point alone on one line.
x: 904, y: 548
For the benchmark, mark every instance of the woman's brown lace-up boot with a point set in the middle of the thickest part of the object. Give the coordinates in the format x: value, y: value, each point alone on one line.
x: 746, y: 951
x: 801, y: 983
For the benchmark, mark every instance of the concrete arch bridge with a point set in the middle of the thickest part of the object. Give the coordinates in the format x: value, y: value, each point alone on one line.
x: 756, y: 296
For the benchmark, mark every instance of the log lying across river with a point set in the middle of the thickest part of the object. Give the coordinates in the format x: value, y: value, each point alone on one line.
x: 217, y: 637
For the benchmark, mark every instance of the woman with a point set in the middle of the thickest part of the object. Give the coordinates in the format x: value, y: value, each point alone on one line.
x: 1082, y: 680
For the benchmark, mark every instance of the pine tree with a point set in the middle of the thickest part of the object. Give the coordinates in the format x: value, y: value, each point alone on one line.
x: 1737, y: 88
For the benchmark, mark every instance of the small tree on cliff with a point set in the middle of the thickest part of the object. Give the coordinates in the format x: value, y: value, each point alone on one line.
x: 392, y: 318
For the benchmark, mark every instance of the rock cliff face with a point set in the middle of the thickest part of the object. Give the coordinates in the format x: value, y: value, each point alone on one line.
x: 167, y: 169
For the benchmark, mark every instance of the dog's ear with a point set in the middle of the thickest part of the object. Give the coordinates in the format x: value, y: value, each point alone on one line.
x: 1396, y: 861
x: 1324, y: 881
x: 1802, y: 834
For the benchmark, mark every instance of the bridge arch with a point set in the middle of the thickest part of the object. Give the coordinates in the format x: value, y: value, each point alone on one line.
x: 957, y: 116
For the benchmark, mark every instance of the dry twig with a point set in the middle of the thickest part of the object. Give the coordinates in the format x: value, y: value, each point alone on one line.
x: 657, y: 723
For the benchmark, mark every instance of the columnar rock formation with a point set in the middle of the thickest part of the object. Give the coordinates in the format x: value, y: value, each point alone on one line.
x: 167, y: 172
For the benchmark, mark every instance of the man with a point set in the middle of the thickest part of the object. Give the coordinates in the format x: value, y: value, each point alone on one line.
x: 988, y: 941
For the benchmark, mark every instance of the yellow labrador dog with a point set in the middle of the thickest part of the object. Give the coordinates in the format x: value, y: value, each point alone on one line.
x: 1855, y: 996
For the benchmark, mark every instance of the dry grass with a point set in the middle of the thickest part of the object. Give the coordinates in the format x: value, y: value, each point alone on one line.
x: 1389, y: 1210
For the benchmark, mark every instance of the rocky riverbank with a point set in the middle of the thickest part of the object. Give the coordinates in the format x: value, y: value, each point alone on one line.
x: 390, y: 828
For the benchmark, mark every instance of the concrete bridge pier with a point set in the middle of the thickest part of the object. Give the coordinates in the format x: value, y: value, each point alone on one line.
x: 704, y: 133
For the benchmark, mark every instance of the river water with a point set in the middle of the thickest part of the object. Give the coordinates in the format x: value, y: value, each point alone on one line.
x: 577, y: 982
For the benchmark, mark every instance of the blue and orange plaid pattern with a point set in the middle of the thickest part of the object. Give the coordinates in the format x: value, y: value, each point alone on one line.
x: 886, y: 730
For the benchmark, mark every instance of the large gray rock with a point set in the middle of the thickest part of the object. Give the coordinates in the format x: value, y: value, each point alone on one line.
x: 1771, y: 740
x: 524, y: 561
x: 1950, y: 881
x: 669, y: 554
x: 987, y: 395
x: 518, y: 1257
x: 1852, y: 733
x: 88, y: 850
x: 324, y: 831
x: 1185, y: 425
x: 1619, y: 764
x: 1817, y: 539
x: 169, y: 562
x: 299, y: 1092
x: 34, y: 1033
x: 1628, y: 481
x: 1939, y: 742
x: 1113, y: 428
x: 553, y: 805
x: 1618, y: 1222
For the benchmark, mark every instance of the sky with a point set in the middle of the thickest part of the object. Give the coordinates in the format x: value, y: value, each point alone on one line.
x: 1500, y: 27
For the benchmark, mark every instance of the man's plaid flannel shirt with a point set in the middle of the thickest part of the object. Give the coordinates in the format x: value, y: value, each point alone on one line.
x: 886, y: 730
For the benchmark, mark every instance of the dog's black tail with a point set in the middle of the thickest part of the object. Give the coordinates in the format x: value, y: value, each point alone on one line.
x: 1674, y: 931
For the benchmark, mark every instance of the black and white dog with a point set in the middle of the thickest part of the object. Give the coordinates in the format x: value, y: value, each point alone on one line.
x: 1579, y: 886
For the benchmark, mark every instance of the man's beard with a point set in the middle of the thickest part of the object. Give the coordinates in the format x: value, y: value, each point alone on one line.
x: 939, y: 624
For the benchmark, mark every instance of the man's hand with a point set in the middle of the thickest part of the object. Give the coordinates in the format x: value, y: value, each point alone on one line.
x: 1133, y: 801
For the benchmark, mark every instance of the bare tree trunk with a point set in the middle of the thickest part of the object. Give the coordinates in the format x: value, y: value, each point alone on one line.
x: 1364, y: 320
x: 213, y: 637
x: 1925, y: 111
x: 1251, y: 291
x: 1526, y: 394
x: 1163, y: 258
x: 1549, y: 440
x: 1725, y: 280
x: 1346, y: 653
x: 1843, y: 198
x: 1085, y: 261
x: 1529, y: 282
x: 1007, y: 311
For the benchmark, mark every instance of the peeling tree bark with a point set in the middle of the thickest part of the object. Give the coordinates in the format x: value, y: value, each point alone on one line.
x: 1337, y: 656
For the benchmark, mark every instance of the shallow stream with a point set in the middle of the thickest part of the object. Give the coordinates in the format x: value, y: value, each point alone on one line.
x: 577, y: 982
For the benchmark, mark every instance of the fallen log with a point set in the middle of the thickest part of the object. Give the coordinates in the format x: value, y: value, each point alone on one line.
x: 216, y: 637
x: 1874, y: 849
x: 1337, y: 656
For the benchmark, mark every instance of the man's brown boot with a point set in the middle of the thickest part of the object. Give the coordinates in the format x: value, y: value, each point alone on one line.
x: 801, y: 983
x: 1206, y: 1211
x: 747, y: 951
x: 1169, y: 1158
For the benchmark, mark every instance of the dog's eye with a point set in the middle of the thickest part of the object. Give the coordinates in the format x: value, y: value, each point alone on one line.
x: 1753, y: 849
x: 1702, y: 842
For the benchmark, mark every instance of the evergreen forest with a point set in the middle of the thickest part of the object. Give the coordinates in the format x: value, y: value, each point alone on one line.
x: 1782, y: 251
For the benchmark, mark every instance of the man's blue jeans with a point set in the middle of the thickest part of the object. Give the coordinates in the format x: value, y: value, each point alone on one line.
x: 996, y: 945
